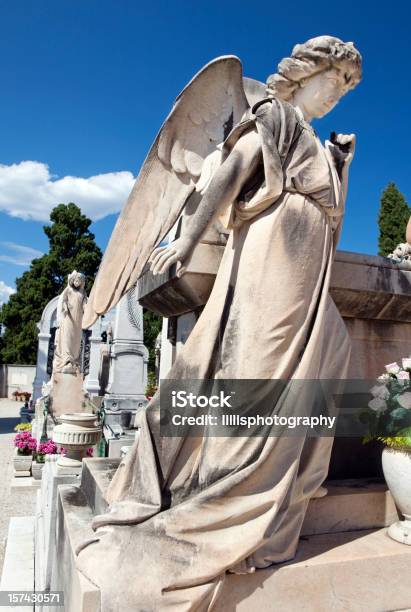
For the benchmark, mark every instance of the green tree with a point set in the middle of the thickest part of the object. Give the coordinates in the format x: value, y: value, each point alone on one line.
x: 152, y: 327
x: 392, y: 219
x: 72, y: 247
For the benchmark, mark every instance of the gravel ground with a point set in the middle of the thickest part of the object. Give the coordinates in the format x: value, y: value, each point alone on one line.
x: 12, y: 502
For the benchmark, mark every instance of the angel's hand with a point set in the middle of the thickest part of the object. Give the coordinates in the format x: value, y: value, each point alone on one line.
x: 164, y: 257
x: 343, y: 149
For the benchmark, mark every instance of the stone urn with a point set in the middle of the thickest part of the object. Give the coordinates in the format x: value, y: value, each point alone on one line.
x: 396, y: 464
x: 22, y: 464
x: 76, y: 433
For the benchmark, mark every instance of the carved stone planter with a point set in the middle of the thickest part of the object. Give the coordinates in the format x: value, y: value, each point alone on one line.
x: 22, y: 464
x: 37, y: 470
x: 76, y: 433
x: 396, y: 464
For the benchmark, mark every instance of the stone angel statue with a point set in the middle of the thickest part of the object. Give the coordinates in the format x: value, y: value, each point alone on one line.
x: 70, y: 311
x: 184, y: 511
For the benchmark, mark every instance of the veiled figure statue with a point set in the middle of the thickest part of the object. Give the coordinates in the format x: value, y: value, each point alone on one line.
x: 184, y: 511
x: 70, y: 311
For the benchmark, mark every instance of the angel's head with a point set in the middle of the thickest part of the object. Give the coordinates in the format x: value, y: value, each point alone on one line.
x: 77, y: 280
x: 318, y: 73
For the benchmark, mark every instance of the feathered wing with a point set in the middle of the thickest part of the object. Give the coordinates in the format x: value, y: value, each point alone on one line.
x: 202, y: 116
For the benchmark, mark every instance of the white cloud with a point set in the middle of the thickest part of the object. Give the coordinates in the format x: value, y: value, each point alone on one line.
x: 29, y: 191
x: 5, y: 292
x: 20, y: 255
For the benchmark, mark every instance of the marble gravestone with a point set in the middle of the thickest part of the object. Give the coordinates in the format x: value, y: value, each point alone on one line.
x: 128, y: 358
x: 45, y: 351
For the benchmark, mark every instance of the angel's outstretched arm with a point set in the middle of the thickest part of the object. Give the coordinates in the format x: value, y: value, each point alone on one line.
x: 224, y: 188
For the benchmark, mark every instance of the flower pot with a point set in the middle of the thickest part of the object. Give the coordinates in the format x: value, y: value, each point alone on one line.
x: 396, y: 464
x: 22, y: 464
x: 37, y: 470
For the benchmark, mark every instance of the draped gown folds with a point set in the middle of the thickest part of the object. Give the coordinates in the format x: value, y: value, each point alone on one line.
x: 185, y: 510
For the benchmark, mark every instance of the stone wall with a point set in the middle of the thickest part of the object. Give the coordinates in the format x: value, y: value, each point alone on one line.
x: 16, y: 378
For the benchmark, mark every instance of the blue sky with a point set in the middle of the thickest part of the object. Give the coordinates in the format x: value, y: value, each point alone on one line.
x: 86, y: 84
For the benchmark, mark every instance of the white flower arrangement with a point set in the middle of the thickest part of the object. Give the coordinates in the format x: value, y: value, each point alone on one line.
x: 389, y: 412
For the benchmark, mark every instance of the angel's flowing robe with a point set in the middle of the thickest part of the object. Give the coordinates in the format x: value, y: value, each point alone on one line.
x: 185, y: 510
x: 69, y: 331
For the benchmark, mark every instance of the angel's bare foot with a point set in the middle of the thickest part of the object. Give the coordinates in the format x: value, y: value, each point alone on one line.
x: 320, y: 492
x: 243, y: 567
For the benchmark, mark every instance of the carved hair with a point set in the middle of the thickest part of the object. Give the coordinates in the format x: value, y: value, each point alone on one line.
x: 310, y: 58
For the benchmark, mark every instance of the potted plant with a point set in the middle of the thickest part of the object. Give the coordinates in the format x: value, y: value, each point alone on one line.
x: 389, y: 420
x: 24, y: 444
x: 48, y: 447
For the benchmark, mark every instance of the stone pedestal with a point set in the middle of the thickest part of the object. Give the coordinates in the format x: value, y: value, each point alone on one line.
x: 67, y: 394
x: 128, y: 358
x: 46, y: 513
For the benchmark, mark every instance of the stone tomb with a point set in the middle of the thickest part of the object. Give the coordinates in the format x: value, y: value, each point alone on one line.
x: 344, y: 551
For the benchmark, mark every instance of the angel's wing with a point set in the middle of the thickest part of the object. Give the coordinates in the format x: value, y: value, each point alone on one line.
x: 202, y: 116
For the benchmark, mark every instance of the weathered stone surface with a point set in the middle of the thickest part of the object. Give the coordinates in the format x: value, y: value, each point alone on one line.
x: 362, y: 286
x: 67, y: 395
x: 343, y: 572
x: 73, y: 527
x: 338, y: 570
x: 46, y: 522
x: 350, y: 504
x: 128, y: 358
x: 18, y: 567
x: 371, y: 287
x: 95, y: 478
x: 182, y: 289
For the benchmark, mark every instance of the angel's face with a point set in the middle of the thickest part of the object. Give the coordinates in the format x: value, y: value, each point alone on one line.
x: 78, y: 281
x: 318, y: 95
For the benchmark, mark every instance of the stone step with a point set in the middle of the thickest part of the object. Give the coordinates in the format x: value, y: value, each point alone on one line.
x: 343, y: 572
x: 18, y: 567
x: 96, y: 476
x: 349, y: 505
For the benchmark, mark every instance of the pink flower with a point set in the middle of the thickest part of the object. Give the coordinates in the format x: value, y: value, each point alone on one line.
x: 24, y: 442
x: 47, y: 448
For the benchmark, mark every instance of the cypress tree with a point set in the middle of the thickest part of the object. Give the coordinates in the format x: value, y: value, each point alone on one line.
x: 392, y: 219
